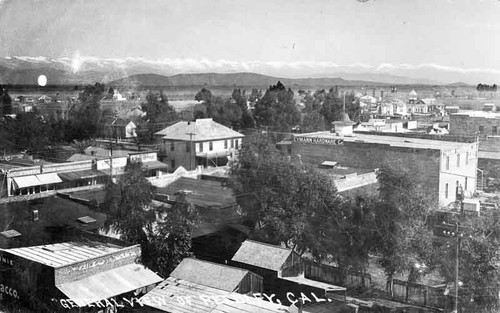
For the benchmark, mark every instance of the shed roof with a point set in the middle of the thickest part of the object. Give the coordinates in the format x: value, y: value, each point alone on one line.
x: 209, y: 274
x: 204, y: 129
x: 262, y: 255
x: 61, y: 254
x: 168, y: 296
x: 202, y: 192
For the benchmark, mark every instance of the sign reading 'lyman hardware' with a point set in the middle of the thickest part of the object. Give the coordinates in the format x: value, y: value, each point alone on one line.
x: 83, y: 266
x: 317, y: 140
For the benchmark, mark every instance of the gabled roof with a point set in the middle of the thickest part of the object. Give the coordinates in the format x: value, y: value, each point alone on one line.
x: 413, y: 93
x: 209, y: 274
x: 202, y: 129
x: 262, y: 255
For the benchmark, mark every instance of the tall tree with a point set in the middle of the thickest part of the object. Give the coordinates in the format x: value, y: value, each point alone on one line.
x: 127, y: 205
x: 292, y: 204
x: 171, y: 240
x: 401, y: 237
x: 5, y: 100
x: 157, y: 108
x: 30, y: 131
x: 86, y: 115
x: 277, y: 109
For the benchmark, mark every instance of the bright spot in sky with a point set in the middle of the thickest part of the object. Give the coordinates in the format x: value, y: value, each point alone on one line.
x: 42, y: 80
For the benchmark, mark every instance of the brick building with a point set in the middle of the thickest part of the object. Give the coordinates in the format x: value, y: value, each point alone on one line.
x: 480, y: 123
x: 438, y: 165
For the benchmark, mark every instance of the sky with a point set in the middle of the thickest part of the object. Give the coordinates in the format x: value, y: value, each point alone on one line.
x: 377, y: 34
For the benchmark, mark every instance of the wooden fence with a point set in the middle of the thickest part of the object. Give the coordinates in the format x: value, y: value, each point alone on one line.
x: 421, y: 295
x: 335, y: 276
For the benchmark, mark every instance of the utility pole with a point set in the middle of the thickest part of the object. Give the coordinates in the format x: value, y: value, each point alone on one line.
x: 111, y: 159
x: 191, y: 150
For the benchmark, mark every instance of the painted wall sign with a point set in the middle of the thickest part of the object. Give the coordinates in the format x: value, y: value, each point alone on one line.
x: 320, y: 141
x: 5, y: 260
x: 7, y: 290
x: 109, y: 259
x: 145, y: 157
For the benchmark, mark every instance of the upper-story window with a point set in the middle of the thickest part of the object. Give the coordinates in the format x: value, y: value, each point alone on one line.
x: 458, y: 160
x: 200, y: 146
x: 481, y: 128
x: 446, y: 191
x: 232, y: 143
x: 225, y: 143
x: 188, y: 147
x: 236, y: 144
x: 172, y: 146
x: 447, y: 163
x: 210, y: 146
x: 467, y: 158
x: 493, y: 130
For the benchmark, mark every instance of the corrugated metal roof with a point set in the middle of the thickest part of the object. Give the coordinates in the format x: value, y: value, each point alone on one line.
x: 205, y: 129
x: 105, y: 285
x: 61, y: 254
x: 209, y: 274
x: 236, y: 303
x: 262, y: 255
x: 179, y: 296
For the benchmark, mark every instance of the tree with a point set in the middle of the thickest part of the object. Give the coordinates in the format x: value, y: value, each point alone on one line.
x: 171, y: 241
x: 277, y: 109
x: 157, y: 109
x: 479, y: 270
x: 312, y: 119
x: 5, y: 100
x: 293, y: 204
x: 127, y: 205
x: 85, y: 117
x: 164, y: 243
x: 30, y: 131
x: 400, y: 234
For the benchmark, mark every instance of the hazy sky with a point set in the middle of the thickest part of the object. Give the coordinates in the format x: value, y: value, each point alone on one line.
x: 455, y: 33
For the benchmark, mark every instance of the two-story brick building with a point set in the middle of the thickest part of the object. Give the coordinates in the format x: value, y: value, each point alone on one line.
x: 482, y: 123
x: 202, y: 142
x: 439, y: 165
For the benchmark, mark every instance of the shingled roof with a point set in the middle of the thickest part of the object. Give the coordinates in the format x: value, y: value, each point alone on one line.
x: 205, y: 129
x: 262, y: 255
x: 209, y: 274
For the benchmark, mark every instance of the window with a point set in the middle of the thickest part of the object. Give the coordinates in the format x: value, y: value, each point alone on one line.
x: 447, y: 163
x: 467, y: 158
x: 494, y: 130
x: 172, y: 146
x: 210, y: 146
x: 225, y: 144
x: 232, y: 143
x: 481, y: 129
x: 465, y: 184
x: 200, y: 146
x: 236, y: 144
x: 446, y: 191
x: 172, y: 163
x: 458, y: 160
x: 188, y: 147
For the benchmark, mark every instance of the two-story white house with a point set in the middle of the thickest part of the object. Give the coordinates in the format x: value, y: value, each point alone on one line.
x: 202, y: 142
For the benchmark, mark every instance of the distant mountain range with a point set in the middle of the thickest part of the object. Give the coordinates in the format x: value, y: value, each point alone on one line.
x: 140, y: 72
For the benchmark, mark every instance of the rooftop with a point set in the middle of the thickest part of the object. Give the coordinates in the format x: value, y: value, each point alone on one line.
x: 203, y: 129
x: 62, y: 254
x: 472, y: 113
x: 245, y: 304
x: 167, y: 297
x: 262, y: 255
x: 209, y: 274
x: 393, y: 141
x: 202, y: 192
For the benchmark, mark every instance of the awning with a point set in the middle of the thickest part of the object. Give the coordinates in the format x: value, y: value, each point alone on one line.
x: 213, y: 154
x: 105, y: 285
x: 49, y: 178
x: 154, y: 165
x: 72, y: 176
x: 26, y: 181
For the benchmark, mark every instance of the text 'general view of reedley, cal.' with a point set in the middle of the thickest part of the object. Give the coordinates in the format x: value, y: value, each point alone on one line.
x: 230, y: 156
